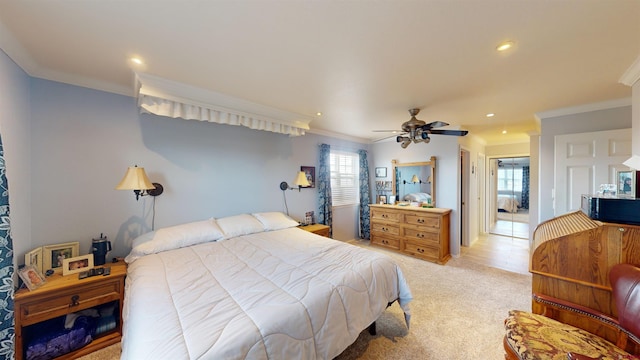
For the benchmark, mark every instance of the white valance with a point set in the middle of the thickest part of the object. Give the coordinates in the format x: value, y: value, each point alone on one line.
x: 166, y: 98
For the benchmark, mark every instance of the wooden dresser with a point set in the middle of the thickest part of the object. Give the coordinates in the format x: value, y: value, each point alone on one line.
x: 571, y: 259
x: 415, y: 231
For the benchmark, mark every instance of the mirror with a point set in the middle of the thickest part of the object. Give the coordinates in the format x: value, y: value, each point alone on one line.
x: 414, y: 179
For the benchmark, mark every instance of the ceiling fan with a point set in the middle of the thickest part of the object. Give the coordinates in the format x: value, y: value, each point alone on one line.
x: 418, y: 130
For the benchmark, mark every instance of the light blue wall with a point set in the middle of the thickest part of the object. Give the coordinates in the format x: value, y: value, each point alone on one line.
x: 83, y: 141
x: 14, y: 128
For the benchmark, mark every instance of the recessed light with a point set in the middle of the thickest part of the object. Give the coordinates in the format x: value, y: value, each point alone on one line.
x: 136, y: 60
x: 491, y: 115
x: 318, y: 113
x: 505, y: 46
x: 504, y: 131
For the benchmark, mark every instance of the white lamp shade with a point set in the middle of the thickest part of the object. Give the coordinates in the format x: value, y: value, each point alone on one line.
x: 633, y: 162
x: 135, y: 179
x: 415, y: 179
x: 301, y: 180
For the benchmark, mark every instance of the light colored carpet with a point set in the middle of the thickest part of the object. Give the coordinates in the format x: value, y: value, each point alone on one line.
x: 457, y: 313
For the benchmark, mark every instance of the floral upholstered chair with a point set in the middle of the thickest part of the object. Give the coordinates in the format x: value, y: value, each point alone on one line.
x: 531, y: 336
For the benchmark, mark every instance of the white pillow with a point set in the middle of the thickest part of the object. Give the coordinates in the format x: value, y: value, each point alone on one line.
x: 275, y: 220
x: 238, y: 225
x: 143, y: 238
x: 420, y: 197
x: 175, y: 237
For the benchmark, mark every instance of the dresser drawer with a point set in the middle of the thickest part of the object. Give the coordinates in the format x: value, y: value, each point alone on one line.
x: 422, y: 220
x: 386, y: 241
x: 384, y: 215
x: 383, y: 228
x: 422, y: 251
x: 426, y: 236
x: 68, y: 301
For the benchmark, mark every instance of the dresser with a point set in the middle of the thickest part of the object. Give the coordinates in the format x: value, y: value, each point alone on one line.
x: 416, y: 231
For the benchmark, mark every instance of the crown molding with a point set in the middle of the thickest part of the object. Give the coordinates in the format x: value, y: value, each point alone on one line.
x: 340, y: 136
x: 604, y: 105
x: 632, y: 75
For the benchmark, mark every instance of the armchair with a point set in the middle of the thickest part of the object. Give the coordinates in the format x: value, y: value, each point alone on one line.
x: 536, y: 336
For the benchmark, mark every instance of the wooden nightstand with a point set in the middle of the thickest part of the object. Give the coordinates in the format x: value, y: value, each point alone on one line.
x: 319, y: 229
x: 62, y: 295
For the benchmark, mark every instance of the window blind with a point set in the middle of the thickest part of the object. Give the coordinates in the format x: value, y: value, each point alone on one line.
x: 344, y: 178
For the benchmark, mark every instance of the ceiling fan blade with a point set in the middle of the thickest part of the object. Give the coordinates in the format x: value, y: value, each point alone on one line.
x: 398, y: 133
x: 449, y: 132
x: 434, y: 124
x: 393, y: 131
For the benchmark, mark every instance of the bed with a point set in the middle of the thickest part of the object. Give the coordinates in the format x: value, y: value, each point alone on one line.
x: 508, y: 203
x: 252, y: 286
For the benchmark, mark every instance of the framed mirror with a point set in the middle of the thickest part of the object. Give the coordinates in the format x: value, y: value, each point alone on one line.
x: 414, y: 181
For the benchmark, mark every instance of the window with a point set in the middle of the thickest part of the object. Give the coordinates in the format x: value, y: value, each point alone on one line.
x: 510, y: 179
x: 344, y: 178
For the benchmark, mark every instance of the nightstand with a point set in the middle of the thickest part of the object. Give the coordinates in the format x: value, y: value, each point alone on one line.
x: 62, y: 295
x: 319, y: 229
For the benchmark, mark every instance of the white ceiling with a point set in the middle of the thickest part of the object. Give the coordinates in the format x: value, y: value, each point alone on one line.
x: 363, y: 64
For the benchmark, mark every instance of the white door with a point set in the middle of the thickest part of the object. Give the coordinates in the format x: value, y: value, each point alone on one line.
x: 584, y: 161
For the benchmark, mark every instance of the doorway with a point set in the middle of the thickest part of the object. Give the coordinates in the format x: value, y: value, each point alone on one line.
x: 509, y: 197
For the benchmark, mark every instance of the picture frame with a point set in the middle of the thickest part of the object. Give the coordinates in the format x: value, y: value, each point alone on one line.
x: 310, y: 172
x: 31, y: 277
x: 77, y: 264
x: 53, y: 255
x: 34, y: 258
x: 626, y: 183
x: 381, y: 172
x: 382, y: 199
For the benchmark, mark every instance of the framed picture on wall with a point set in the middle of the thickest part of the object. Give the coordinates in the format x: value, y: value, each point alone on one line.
x: 626, y: 182
x: 310, y: 173
x: 381, y: 172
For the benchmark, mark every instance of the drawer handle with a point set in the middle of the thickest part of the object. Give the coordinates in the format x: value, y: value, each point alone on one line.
x: 385, y: 229
x: 421, y: 221
x: 74, y: 301
x: 420, y: 250
x: 385, y: 216
x: 421, y: 236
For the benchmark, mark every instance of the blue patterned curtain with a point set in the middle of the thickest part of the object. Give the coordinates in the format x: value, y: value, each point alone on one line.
x: 6, y: 268
x: 525, y: 187
x: 365, y: 195
x: 324, y: 188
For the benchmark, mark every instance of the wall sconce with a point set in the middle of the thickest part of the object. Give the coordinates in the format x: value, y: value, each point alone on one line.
x: 300, y: 181
x: 414, y: 180
x: 136, y: 179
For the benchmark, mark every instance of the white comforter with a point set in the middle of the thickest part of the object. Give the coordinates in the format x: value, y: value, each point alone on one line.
x: 285, y: 294
x: 508, y: 203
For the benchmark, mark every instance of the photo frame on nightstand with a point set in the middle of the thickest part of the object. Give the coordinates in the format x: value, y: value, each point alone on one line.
x: 54, y: 255
x: 34, y: 258
x: 31, y: 277
x: 77, y: 264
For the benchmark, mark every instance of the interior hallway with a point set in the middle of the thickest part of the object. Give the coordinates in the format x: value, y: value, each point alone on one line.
x: 502, y: 252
